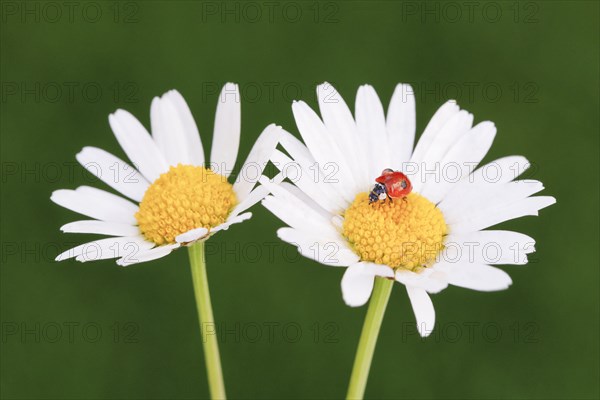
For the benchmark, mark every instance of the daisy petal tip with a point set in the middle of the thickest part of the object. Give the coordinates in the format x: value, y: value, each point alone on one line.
x: 282, y: 232
x: 326, y: 87
x: 54, y: 196
x: 246, y: 216
x: 235, y: 220
x: 84, y: 150
x: 121, y: 262
x: 352, y: 301
x: 155, y: 104
x: 350, y: 304
x: 276, y: 129
x: 272, y: 129
x: 299, y: 106
x: 424, y: 331
x: 530, y: 250
x: 120, y: 113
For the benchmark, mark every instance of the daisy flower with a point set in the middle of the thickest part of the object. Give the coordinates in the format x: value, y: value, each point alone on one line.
x: 425, y: 239
x: 173, y: 198
x: 168, y: 197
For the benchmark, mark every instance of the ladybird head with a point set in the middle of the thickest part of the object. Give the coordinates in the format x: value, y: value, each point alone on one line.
x: 378, y: 193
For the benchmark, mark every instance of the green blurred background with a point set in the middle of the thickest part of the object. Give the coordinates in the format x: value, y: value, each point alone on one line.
x: 99, y: 331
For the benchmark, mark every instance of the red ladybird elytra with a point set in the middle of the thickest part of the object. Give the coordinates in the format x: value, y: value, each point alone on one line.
x: 392, y: 184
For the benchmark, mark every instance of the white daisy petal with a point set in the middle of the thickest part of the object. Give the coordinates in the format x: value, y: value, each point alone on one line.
x: 433, y: 129
x: 357, y: 282
x: 356, y: 286
x: 429, y: 279
x: 306, y: 199
x: 489, y: 197
x: 326, y: 153
x: 257, y: 160
x: 296, y: 149
x: 456, y: 127
x: 483, y: 179
x: 488, y: 247
x: 423, y: 309
x: 340, y: 124
x: 302, y: 219
x: 138, y: 145
x: 460, y: 160
x: 303, y: 211
x: 505, y: 239
x: 256, y: 195
x: 148, y: 255
x: 401, y: 125
x: 101, y: 228
x: 187, y: 127
x: 502, y: 170
x: 481, y: 277
x: 114, y: 172
x: 370, y: 120
x: 327, y: 251
x: 169, y: 132
x: 226, y: 136
x: 481, y: 220
x: 295, y: 196
x: 97, y: 204
x: 311, y: 181
x: 191, y: 235
x: 114, y: 247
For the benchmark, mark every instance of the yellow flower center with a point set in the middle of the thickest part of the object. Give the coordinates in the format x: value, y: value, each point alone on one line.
x: 184, y: 198
x: 406, y: 233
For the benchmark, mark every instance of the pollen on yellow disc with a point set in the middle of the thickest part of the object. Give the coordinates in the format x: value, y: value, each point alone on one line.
x: 406, y: 233
x: 184, y: 198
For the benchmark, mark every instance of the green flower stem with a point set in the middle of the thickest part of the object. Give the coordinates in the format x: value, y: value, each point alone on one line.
x: 368, y: 337
x: 205, y: 315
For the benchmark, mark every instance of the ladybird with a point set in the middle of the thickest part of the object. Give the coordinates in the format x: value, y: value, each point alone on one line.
x: 392, y: 184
